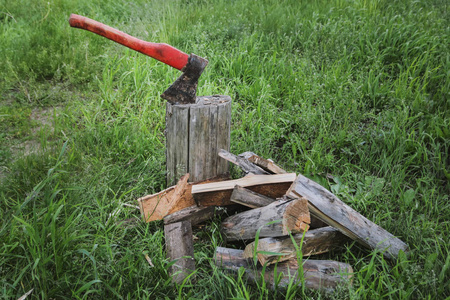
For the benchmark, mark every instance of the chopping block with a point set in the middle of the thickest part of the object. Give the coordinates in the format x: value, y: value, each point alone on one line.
x: 194, y: 135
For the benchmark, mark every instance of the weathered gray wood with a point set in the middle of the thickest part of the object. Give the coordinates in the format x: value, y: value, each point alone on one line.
x: 199, y: 134
x: 315, y: 241
x: 193, y: 214
x: 266, y: 164
x: 180, y: 247
x: 243, y: 163
x: 329, y: 208
x: 212, y: 157
x: 324, y: 275
x: 224, y: 127
x: 276, y: 219
x: 247, y: 154
x: 194, y: 135
x: 249, y: 198
x: 177, y: 141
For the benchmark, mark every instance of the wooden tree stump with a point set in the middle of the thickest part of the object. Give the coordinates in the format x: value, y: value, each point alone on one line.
x: 194, y: 135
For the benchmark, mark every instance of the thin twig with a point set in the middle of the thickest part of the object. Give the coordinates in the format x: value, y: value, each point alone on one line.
x: 148, y: 259
x: 26, y: 294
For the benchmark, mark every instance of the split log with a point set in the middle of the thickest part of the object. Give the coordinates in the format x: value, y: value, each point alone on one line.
x: 329, y: 208
x: 193, y: 214
x: 247, y: 154
x: 324, y: 275
x: 157, y: 206
x: 242, y: 162
x: 252, y: 199
x: 277, y: 219
x: 178, y: 192
x: 266, y: 164
x: 316, y: 241
x: 249, y: 198
x: 180, y: 247
x: 315, y: 222
x: 194, y: 135
x: 219, y: 193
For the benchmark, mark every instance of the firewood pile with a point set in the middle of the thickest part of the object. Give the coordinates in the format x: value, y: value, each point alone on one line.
x: 283, y: 218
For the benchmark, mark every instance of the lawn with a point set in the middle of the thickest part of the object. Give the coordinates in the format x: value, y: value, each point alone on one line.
x: 352, y: 94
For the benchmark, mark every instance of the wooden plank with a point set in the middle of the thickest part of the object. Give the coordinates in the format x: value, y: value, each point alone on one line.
x: 329, y: 208
x: 243, y: 163
x: 272, y: 186
x: 193, y: 214
x: 180, y: 247
x: 313, y: 242
x: 222, y: 198
x: 153, y: 207
x: 249, y: 198
x: 244, y: 182
x: 276, y: 219
x: 325, y: 275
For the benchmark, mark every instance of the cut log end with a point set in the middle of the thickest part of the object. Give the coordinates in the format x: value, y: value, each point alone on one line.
x: 296, y: 217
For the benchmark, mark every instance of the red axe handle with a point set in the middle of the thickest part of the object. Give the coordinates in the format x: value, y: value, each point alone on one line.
x: 162, y: 52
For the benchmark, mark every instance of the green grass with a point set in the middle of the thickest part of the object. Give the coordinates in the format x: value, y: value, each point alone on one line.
x: 353, y: 94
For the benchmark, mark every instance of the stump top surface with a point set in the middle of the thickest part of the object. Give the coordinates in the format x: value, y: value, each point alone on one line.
x: 214, y: 100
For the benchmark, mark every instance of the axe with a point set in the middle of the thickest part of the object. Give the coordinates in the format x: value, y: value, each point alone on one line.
x: 184, y: 89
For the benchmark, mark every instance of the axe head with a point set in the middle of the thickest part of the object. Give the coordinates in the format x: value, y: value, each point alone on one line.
x: 184, y: 89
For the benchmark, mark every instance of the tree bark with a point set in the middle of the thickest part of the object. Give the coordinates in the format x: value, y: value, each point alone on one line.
x: 324, y: 275
x: 315, y: 241
x: 249, y: 198
x: 277, y: 219
x: 193, y: 214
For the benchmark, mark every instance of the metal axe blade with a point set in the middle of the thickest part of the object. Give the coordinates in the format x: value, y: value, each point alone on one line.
x: 184, y: 89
